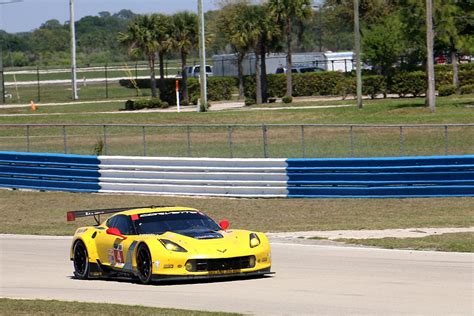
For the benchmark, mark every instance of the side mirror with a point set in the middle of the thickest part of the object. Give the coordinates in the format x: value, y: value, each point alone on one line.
x: 115, y: 232
x: 224, y: 224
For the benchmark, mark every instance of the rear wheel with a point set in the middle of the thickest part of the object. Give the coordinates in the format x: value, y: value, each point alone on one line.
x: 144, y: 264
x: 81, y: 261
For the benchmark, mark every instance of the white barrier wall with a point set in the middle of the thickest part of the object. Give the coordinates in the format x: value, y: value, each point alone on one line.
x: 194, y: 176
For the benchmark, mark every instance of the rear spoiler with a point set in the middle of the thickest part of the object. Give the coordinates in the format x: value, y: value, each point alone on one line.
x: 72, y: 215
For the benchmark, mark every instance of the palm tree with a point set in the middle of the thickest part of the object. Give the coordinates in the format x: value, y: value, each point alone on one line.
x: 231, y: 22
x: 162, y: 30
x: 286, y: 12
x: 185, y: 38
x: 141, y: 40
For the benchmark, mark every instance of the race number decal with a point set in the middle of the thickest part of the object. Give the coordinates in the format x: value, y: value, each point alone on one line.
x: 116, y: 256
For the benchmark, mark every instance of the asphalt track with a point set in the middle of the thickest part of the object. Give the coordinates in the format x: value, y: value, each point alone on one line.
x: 310, y: 279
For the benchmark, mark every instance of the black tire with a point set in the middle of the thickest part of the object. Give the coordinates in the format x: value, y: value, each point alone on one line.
x: 81, y: 261
x: 144, y: 265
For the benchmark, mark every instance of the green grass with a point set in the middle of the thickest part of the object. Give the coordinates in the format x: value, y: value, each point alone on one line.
x: 283, y: 141
x: 44, y: 213
x: 457, y: 242
x: 62, y: 93
x: 454, y: 109
x: 53, y: 307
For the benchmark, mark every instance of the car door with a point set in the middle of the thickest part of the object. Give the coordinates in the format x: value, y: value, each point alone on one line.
x: 115, y: 251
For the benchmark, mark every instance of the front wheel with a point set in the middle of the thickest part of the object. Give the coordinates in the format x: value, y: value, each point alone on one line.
x: 81, y: 261
x: 144, y: 264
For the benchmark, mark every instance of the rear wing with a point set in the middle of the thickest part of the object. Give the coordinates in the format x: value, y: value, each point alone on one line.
x: 72, y: 215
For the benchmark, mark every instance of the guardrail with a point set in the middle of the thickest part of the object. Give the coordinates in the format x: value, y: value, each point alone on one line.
x: 241, y: 140
x: 271, y: 178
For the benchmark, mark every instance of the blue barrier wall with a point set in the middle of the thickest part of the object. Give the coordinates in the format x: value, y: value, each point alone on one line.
x: 293, y: 178
x: 55, y: 172
x: 381, y: 177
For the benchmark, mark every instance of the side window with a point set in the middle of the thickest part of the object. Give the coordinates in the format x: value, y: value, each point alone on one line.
x: 111, y: 221
x: 122, y: 223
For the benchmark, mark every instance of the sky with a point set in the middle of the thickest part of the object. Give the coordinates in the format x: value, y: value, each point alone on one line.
x: 30, y: 14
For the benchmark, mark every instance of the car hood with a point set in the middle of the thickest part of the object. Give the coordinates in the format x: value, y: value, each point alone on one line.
x: 232, y: 242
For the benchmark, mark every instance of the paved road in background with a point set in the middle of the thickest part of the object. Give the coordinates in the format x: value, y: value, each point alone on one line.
x: 310, y: 279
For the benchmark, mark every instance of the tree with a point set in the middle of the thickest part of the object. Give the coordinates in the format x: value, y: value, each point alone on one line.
x: 141, y: 40
x: 231, y: 22
x: 383, y: 43
x: 163, y: 28
x: 185, y: 39
x: 454, y: 24
x: 285, y: 13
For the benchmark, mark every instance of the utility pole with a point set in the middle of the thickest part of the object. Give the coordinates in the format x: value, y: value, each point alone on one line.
x: 2, y: 73
x: 202, y: 58
x: 430, y: 94
x: 73, y: 50
x: 357, y: 53
x: 2, y: 70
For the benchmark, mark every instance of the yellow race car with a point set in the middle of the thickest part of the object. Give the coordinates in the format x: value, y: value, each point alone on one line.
x: 165, y: 243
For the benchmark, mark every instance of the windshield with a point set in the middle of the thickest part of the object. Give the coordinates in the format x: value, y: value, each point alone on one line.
x: 180, y: 222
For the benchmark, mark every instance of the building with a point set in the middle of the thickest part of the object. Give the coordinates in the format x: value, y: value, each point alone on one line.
x: 226, y: 65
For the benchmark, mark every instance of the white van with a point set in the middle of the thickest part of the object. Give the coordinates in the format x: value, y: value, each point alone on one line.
x: 193, y: 71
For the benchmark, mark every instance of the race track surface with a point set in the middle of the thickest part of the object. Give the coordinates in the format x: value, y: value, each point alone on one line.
x: 309, y: 279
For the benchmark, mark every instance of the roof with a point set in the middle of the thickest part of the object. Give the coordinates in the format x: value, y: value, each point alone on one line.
x: 156, y: 210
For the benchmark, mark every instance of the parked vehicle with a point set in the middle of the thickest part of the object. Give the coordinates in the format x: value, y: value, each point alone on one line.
x: 193, y: 71
x: 298, y: 69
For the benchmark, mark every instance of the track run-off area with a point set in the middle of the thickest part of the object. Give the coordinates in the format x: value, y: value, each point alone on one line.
x: 309, y: 279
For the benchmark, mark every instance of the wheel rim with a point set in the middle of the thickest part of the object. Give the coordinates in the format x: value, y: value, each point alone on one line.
x: 144, y: 263
x: 80, y: 259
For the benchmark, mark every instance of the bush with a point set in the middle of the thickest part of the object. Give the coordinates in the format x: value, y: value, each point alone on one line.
x: 405, y: 83
x: 145, y: 104
x: 287, y: 99
x: 467, y: 89
x: 195, y: 99
x: 218, y: 88
x: 249, y: 101
x: 466, y: 77
x: 373, y: 85
x: 345, y: 87
x: 307, y: 84
x: 445, y: 90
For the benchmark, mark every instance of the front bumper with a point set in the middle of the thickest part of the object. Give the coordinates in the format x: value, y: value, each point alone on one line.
x: 213, y: 276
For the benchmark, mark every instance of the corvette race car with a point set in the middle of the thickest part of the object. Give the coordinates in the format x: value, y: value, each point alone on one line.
x: 165, y: 243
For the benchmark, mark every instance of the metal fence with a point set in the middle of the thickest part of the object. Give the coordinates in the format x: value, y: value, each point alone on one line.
x: 241, y: 140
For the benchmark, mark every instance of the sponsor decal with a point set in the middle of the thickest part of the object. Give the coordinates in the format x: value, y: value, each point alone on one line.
x: 168, y: 213
x: 116, y: 255
x: 157, y: 264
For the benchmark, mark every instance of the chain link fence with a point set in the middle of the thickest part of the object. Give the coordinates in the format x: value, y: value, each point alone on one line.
x: 241, y: 141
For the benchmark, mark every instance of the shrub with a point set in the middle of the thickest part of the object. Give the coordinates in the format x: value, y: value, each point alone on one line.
x: 218, y: 88
x: 373, y: 85
x: 249, y: 101
x: 145, y: 104
x: 287, y: 99
x: 345, y: 87
x: 413, y: 83
x: 307, y: 84
x: 467, y: 89
x: 205, y: 108
x: 195, y: 99
x: 466, y: 77
x: 446, y: 90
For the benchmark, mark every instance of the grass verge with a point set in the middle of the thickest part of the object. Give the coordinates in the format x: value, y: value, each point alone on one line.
x: 44, y: 213
x: 456, y: 242
x: 452, y: 109
x: 53, y: 307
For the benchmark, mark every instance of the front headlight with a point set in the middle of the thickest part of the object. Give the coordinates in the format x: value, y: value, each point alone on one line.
x: 172, y: 246
x: 254, y: 240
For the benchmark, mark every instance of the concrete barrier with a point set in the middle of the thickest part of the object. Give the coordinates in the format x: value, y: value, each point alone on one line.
x: 279, y: 178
